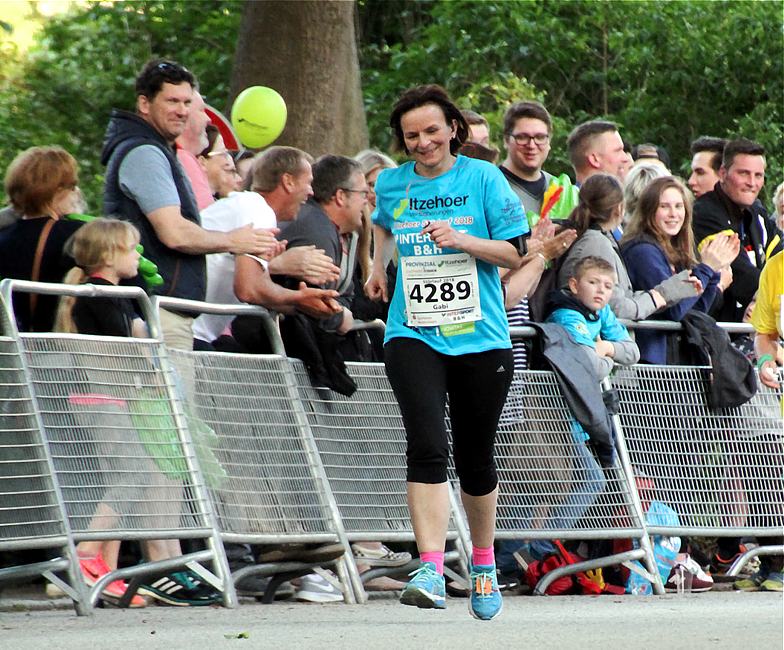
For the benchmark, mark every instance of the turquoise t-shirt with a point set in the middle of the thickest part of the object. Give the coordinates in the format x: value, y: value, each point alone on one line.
x: 476, y: 199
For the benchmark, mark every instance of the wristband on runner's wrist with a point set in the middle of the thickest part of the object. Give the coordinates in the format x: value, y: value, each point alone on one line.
x: 763, y: 360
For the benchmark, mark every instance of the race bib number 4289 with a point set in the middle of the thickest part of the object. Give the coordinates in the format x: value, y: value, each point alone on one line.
x: 441, y: 290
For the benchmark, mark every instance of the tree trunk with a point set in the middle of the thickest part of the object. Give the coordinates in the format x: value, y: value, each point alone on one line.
x: 307, y: 51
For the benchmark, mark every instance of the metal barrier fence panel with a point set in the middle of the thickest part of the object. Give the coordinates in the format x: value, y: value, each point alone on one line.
x: 121, y: 457
x: 361, y: 442
x: 550, y: 483
x: 721, y: 471
x: 31, y: 510
x: 362, y: 445
x: 30, y: 514
x: 262, y: 484
x: 114, y: 437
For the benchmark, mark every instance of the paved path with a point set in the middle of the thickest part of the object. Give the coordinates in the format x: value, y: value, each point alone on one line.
x: 739, y: 621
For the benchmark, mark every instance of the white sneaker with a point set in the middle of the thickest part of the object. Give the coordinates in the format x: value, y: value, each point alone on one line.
x: 688, y: 576
x: 316, y: 589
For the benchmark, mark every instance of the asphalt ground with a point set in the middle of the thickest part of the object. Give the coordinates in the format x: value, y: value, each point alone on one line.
x: 722, y: 619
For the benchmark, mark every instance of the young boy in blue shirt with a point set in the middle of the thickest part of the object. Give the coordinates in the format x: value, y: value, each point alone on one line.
x: 583, y: 311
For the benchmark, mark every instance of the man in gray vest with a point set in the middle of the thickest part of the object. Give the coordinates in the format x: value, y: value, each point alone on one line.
x: 145, y: 184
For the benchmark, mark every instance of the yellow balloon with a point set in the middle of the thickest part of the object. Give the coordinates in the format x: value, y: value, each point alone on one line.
x: 258, y: 116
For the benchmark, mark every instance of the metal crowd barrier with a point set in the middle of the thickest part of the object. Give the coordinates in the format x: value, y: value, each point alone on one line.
x: 121, y: 452
x: 274, y: 490
x: 550, y: 484
x: 722, y: 470
x: 299, y: 449
x: 31, y: 503
x: 719, y: 470
x: 362, y: 446
x: 248, y: 451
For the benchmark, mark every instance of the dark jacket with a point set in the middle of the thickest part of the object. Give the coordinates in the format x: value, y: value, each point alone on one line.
x: 759, y: 239
x: 18, y: 244
x: 648, y: 267
x: 319, y: 351
x: 314, y: 227
x: 731, y: 381
x: 184, y: 275
x: 579, y: 384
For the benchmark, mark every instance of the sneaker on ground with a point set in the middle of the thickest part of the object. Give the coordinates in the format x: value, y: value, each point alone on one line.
x: 382, y: 556
x: 94, y: 568
x: 316, y: 589
x: 751, y: 583
x: 507, y: 581
x: 53, y: 591
x: 687, y: 575
x: 256, y: 585
x: 774, y: 582
x: 426, y: 589
x: 486, y: 602
x: 181, y: 589
x: 720, y: 565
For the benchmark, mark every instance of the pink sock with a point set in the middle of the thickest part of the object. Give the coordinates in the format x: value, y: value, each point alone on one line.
x: 436, y: 557
x: 483, y: 556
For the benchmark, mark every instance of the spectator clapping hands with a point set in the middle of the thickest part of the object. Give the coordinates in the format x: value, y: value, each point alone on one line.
x: 720, y: 251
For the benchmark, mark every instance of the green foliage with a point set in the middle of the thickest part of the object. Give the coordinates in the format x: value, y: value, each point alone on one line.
x: 84, y: 64
x: 665, y: 71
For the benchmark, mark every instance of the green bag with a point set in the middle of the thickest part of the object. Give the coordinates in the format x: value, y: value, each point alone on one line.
x: 157, y: 430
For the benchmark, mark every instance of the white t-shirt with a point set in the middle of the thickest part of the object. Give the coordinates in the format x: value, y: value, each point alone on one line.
x: 236, y: 210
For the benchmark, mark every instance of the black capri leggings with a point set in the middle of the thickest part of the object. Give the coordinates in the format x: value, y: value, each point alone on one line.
x: 476, y: 384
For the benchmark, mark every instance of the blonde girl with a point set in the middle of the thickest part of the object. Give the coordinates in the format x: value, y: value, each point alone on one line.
x: 105, y: 253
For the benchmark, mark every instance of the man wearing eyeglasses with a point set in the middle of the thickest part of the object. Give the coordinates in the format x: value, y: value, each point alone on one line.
x: 146, y: 185
x: 527, y: 130
x: 330, y: 221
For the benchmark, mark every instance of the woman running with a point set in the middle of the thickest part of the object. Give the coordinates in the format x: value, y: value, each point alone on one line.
x: 454, y: 221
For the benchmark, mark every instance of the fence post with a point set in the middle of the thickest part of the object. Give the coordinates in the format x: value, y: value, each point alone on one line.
x: 73, y: 571
x: 626, y: 465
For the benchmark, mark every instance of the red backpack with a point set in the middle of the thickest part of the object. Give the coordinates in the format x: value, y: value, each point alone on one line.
x: 574, y: 583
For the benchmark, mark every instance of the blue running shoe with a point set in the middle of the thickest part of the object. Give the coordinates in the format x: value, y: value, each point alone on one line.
x: 426, y: 589
x: 485, y: 602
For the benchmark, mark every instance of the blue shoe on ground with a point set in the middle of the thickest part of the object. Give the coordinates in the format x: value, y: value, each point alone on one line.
x: 426, y: 589
x: 486, y: 602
